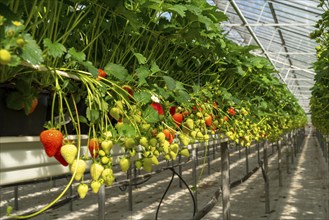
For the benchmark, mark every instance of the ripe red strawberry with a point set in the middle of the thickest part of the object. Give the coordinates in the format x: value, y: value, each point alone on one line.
x: 93, y: 147
x: 157, y: 107
x: 101, y: 74
x: 34, y: 104
x: 172, y: 110
x: 169, y: 135
x: 208, y: 120
x: 128, y: 89
x: 51, y: 140
x: 231, y: 111
x: 178, y: 118
x: 60, y: 158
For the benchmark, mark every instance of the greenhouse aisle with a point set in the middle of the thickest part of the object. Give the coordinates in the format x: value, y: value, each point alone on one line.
x: 303, y: 196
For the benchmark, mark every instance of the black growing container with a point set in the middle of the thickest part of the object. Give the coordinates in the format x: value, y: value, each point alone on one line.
x: 17, y: 123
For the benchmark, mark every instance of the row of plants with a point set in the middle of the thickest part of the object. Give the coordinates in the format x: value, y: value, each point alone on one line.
x: 150, y: 77
x: 320, y: 98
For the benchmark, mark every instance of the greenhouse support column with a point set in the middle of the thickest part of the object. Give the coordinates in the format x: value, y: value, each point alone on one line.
x: 296, y: 138
x: 130, y: 191
x: 278, y: 145
x: 247, y: 160
x: 180, y: 172
x: 207, y: 148
x: 258, y: 155
x: 101, y: 203
x: 267, y: 184
x: 239, y: 150
x: 225, y: 168
x: 288, y: 155
x: 291, y: 147
x: 16, y: 197
x: 194, y: 172
x: 71, y: 195
x: 325, y: 149
x: 214, y: 144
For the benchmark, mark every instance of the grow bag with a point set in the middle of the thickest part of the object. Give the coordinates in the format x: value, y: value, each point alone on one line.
x: 17, y: 123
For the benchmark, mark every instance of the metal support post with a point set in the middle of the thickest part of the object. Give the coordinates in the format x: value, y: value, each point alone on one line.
x: 101, y: 203
x: 267, y: 183
x: 279, y: 163
x: 247, y: 160
x: 16, y: 197
x: 71, y: 194
x: 130, y: 191
x: 180, y: 170
x: 194, y: 173
x: 225, y: 168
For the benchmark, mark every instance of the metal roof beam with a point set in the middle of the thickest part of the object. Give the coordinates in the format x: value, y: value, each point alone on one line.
x: 252, y: 33
x: 269, y: 24
x: 295, y: 67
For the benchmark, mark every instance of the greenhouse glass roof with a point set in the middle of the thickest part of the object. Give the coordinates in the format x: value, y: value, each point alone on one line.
x: 281, y: 28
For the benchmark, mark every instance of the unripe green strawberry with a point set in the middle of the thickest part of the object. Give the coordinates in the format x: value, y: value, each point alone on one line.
x: 167, y: 157
x: 161, y: 137
x: 184, y: 152
x: 132, y: 152
x: 107, y: 145
x: 138, y: 164
x: 107, y: 172
x: 147, y: 164
x: 5, y: 56
x: 155, y: 160
x: 107, y: 134
x: 199, y: 135
x: 80, y: 166
x: 129, y: 143
x: 144, y: 142
x: 95, y: 185
x: 115, y: 113
x: 82, y: 190
x: 69, y: 152
x: 119, y: 104
x: 189, y: 123
x: 193, y: 134
x: 156, y: 153
x: 165, y: 146
x: 101, y: 153
x: 124, y: 164
x: 199, y: 115
x: 105, y: 160
x: 96, y: 170
x: 153, y: 142
x: 184, y: 139
x: 20, y: 42
x: 174, y: 147
x: 206, y: 137
x: 146, y: 127
x: 173, y: 155
x: 108, y: 176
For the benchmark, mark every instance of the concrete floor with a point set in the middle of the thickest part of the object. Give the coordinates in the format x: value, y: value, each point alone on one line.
x: 304, y: 194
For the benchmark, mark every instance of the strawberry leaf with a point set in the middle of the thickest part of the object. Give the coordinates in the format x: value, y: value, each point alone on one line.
x: 141, y: 59
x: 92, y: 115
x: 142, y: 97
x: 150, y: 115
x: 117, y: 70
x: 170, y: 82
x: 79, y: 56
x: 142, y: 73
x: 31, y: 52
x: 54, y: 49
